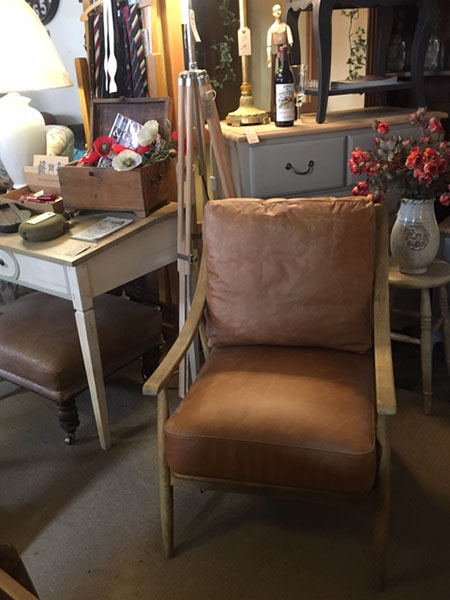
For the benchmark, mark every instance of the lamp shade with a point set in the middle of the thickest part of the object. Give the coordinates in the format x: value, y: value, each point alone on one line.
x: 29, y: 60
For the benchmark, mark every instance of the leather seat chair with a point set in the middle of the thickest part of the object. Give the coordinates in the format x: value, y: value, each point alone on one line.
x: 40, y: 349
x: 297, y: 385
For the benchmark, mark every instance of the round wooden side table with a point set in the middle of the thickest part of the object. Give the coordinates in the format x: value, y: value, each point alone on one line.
x: 437, y: 277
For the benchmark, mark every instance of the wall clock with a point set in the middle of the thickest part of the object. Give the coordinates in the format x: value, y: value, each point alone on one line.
x: 45, y: 9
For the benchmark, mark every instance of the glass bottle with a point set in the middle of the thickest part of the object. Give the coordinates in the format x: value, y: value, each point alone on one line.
x: 284, y: 91
x: 433, y: 52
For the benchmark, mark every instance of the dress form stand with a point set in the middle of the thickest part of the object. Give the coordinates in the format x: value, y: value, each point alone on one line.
x: 247, y: 113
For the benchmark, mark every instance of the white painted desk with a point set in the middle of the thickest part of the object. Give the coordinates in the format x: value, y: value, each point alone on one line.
x: 137, y: 249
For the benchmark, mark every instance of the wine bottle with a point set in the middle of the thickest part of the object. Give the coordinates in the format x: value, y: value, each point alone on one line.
x: 284, y: 91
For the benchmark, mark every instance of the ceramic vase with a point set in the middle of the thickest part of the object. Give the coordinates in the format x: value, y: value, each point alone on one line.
x: 415, y: 235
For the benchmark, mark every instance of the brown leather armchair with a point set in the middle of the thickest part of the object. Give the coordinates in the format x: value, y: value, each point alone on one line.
x: 297, y: 385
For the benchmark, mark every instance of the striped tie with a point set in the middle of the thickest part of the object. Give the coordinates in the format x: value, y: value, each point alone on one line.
x: 138, y: 73
x: 96, y: 35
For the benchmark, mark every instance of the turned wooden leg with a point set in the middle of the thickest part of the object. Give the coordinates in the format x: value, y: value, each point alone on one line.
x: 68, y: 419
x: 443, y: 302
x: 322, y: 13
x: 426, y: 349
x: 382, y: 504
x: 165, y: 489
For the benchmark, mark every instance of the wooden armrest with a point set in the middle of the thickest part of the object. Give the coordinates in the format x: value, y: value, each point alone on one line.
x: 384, y: 373
x: 13, y: 588
x: 166, y: 369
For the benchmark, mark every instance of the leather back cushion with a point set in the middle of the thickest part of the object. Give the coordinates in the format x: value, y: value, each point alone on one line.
x: 295, y: 272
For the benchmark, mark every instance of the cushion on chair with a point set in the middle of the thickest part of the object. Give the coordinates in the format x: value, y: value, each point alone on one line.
x: 282, y: 272
x: 295, y: 417
x: 40, y: 350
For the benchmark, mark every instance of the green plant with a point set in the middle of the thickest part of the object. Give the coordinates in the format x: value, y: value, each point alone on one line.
x: 357, y: 45
x: 228, y: 17
x: 224, y: 71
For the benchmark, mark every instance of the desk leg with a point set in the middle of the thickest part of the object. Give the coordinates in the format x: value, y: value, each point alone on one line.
x: 87, y: 332
x: 426, y: 349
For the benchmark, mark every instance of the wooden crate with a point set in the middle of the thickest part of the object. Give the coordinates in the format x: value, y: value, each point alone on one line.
x: 141, y: 190
x: 35, y: 183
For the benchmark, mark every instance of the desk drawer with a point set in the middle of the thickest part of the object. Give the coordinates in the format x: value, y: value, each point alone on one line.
x: 9, y: 268
x: 269, y: 176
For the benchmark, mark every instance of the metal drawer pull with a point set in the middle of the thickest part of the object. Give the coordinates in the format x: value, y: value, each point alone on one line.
x: 307, y: 172
x: 2, y: 262
x: 156, y: 180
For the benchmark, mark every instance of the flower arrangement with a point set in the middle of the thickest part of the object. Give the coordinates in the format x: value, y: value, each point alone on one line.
x: 151, y: 148
x: 418, y: 169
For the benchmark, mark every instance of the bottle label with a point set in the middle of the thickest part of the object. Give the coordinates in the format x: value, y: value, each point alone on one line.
x: 285, y: 102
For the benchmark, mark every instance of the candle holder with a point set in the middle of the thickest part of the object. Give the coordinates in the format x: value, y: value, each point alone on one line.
x: 247, y: 113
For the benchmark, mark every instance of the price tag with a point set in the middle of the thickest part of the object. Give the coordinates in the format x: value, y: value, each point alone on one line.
x: 184, y: 8
x: 41, y: 217
x: 244, y: 42
x: 251, y: 135
x: 194, y: 27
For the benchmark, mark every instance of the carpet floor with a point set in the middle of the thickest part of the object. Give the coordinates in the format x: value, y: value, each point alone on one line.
x: 86, y: 521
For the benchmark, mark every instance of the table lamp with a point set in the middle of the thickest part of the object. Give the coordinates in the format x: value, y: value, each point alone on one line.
x: 29, y: 61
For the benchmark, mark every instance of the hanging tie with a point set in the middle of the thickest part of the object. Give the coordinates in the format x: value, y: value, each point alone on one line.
x: 96, y: 36
x: 138, y: 73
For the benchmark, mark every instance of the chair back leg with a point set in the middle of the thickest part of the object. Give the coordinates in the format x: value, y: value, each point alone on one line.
x: 382, y: 504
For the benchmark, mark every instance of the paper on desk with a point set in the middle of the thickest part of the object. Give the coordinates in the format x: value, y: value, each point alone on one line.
x: 72, y: 248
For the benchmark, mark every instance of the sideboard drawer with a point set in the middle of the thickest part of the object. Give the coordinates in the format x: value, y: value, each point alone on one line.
x: 316, y: 164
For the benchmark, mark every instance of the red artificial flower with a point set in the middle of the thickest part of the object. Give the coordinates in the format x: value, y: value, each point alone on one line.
x: 90, y: 158
x: 382, y: 127
x: 357, y: 161
x: 435, y: 125
x: 445, y: 199
x: 414, y: 160
x: 360, y: 189
x: 103, y: 145
x: 142, y: 149
x: 430, y: 154
x: 372, y: 168
x: 118, y: 148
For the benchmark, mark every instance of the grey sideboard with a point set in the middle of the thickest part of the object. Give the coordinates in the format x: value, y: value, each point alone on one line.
x: 308, y: 159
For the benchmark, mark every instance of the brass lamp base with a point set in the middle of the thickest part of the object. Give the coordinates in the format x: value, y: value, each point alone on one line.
x: 247, y: 113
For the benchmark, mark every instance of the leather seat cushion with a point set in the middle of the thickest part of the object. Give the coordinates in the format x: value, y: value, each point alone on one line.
x: 296, y: 272
x: 40, y: 349
x: 296, y: 417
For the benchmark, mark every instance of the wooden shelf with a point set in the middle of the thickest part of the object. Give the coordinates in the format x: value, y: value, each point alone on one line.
x: 436, y: 73
x: 364, y: 89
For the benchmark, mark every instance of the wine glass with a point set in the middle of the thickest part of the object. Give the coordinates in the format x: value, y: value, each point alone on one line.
x: 299, y: 72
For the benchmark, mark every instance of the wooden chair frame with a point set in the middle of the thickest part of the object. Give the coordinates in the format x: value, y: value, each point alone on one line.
x: 385, y: 407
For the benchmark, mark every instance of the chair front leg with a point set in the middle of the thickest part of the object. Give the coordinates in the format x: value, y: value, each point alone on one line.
x: 382, y: 503
x: 165, y: 489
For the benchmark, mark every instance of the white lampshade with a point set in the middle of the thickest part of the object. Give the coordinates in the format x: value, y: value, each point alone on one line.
x: 29, y: 61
